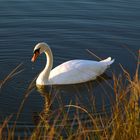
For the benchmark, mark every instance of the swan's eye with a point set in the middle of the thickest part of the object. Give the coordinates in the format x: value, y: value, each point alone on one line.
x: 37, y: 51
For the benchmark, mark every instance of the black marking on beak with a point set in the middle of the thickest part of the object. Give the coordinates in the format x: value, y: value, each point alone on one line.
x: 37, y: 51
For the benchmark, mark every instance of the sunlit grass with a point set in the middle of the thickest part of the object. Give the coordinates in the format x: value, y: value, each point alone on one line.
x: 122, y: 124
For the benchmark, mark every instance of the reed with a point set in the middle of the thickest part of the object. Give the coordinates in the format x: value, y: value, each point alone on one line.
x: 122, y: 124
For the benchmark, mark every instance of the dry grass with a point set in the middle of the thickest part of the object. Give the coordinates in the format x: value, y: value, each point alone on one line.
x: 122, y: 124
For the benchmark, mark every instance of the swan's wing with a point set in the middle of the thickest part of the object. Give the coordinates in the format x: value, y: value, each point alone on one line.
x: 76, y: 71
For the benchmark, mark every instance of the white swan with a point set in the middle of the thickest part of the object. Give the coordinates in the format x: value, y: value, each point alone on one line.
x: 70, y: 72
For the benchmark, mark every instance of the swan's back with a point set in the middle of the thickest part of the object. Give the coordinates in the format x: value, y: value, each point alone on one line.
x: 77, y: 71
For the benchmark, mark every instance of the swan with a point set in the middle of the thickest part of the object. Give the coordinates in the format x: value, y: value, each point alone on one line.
x: 70, y: 72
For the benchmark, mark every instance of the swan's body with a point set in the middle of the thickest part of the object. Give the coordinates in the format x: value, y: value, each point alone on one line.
x: 70, y: 72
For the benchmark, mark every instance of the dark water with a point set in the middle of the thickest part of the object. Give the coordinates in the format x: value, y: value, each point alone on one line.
x: 69, y: 27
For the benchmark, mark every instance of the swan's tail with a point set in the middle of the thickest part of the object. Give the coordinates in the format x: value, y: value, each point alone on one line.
x: 108, y: 61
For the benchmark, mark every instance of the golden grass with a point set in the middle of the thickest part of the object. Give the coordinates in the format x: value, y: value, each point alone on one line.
x: 122, y: 124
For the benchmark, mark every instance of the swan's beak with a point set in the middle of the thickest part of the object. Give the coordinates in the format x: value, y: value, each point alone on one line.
x: 35, y: 55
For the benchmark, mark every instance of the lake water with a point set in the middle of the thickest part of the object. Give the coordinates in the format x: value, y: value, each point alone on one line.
x: 69, y: 27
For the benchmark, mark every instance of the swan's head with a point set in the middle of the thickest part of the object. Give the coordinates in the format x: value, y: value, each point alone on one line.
x: 39, y: 49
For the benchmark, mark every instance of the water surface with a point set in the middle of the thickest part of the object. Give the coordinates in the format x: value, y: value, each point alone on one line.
x: 69, y: 27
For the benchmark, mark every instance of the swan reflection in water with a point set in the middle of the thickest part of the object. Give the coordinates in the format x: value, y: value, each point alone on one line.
x: 89, y: 95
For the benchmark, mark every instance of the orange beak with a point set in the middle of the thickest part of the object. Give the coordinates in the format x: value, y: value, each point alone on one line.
x: 35, y: 55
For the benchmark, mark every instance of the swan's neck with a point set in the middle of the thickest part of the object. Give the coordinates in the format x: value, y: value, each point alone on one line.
x: 44, y: 75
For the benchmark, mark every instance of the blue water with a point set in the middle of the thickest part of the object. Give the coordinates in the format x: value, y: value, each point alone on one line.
x: 70, y: 27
